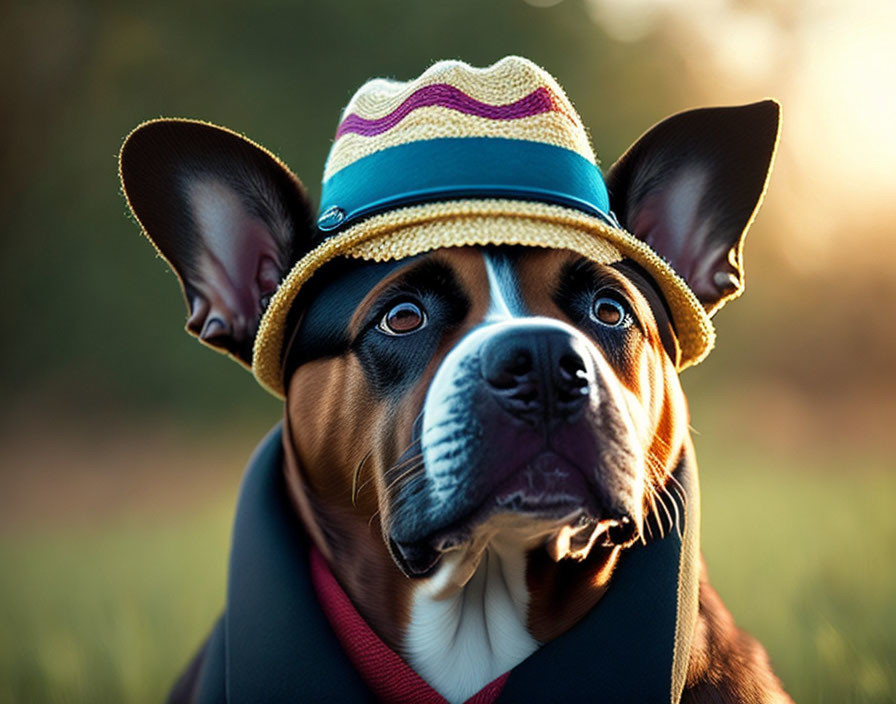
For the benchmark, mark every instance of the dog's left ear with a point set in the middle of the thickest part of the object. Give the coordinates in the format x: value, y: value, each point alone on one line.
x: 690, y: 186
x: 229, y: 217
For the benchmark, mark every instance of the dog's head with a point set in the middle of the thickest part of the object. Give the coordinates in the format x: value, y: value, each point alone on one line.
x: 465, y: 396
x: 468, y: 392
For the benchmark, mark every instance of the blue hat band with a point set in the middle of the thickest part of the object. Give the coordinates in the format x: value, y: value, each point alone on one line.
x: 457, y: 168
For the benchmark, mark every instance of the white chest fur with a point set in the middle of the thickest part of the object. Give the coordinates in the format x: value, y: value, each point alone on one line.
x: 460, y: 639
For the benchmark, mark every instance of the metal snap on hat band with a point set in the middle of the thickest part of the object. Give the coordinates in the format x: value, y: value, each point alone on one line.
x: 458, y: 168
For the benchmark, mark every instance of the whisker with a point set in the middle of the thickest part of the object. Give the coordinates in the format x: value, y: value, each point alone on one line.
x: 671, y: 489
x: 678, y: 485
x: 408, y: 471
x: 393, y: 468
x: 641, y: 527
x: 668, y: 513
x: 647, y: 526
x: 365, y: 483
x: 398, y: 466
x: 675, y: 486
x: 408, y: 447
x: 653, y: 463
x: 659, y: 523
x: 418, y: 417
x: 675, y: 509
x: 680, y: 494
x: 357, y: 475
x: 401, y: 477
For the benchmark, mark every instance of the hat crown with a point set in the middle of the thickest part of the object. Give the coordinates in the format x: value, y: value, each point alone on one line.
x: 459, y: 132
x: 513, y: 98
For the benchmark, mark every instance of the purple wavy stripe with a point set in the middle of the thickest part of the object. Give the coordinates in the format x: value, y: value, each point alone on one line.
x: 538, y: 101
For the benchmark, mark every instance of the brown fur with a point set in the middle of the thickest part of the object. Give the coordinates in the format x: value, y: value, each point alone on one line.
x: 561, y: 593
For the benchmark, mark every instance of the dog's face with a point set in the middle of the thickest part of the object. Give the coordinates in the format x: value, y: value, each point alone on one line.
x: 517, y: 390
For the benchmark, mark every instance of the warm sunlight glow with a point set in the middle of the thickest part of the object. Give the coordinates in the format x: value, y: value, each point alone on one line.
x: 831, y: 64
x: 845, y: 99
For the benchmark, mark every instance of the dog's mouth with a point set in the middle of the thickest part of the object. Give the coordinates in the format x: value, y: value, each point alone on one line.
x: 547, y: 503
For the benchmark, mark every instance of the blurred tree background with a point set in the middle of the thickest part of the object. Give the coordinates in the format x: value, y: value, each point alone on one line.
x: 122, y: 438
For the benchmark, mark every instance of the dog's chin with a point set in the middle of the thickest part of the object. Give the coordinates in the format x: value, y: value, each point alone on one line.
x: 546, y: 504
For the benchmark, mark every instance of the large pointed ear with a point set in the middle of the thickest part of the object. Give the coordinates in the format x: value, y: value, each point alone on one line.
x: 690, y: 186
x: 226, y: 214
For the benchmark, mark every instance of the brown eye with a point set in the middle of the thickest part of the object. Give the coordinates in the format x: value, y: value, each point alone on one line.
x: 403, y: 318
x: 608, y: 311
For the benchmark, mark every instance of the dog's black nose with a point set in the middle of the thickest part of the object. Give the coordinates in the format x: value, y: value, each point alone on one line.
x: 537, y: 372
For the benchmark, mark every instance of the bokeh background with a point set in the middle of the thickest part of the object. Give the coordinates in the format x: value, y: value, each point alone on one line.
x: 122, y: 440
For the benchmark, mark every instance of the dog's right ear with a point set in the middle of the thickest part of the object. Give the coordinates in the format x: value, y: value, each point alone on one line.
x: 226, y: 214
x: 690, y: 186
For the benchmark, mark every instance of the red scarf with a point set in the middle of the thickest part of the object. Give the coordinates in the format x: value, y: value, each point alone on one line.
x: 389, y: 677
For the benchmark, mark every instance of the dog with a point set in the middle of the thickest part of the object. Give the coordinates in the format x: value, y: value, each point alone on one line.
x: 483, y: 488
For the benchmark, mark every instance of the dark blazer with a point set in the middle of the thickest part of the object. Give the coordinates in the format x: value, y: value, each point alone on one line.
x: 273, y: 643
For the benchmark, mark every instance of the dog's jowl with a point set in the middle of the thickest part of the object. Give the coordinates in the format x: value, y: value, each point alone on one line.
x: 484, y: 487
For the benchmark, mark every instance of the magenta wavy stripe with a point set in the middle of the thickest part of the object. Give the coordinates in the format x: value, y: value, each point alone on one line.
x: 538, y: 101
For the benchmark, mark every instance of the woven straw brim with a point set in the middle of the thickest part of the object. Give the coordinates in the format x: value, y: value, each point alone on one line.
x: 401, y: 233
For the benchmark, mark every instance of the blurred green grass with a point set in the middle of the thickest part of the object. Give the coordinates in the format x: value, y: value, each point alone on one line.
x: 108, y: 613
x: 111, y: 611
x: 805, y: 561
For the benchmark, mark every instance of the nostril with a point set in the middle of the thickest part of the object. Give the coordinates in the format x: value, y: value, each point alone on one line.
x: 570, y: 400
x: 572, y: 370
x: 573, y: 382
x: 521, y: 364
x: 509, y: 372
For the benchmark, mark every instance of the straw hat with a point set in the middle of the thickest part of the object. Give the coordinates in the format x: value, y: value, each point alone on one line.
x: 467, y: 156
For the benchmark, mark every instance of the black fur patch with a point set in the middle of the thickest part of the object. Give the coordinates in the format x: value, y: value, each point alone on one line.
x: 324, y: 307
x: 581, y: 281
x: 323, y: 310
x: 393, y: 364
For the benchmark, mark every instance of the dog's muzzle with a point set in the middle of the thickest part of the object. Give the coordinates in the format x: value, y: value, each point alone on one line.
x: 524, y: 419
